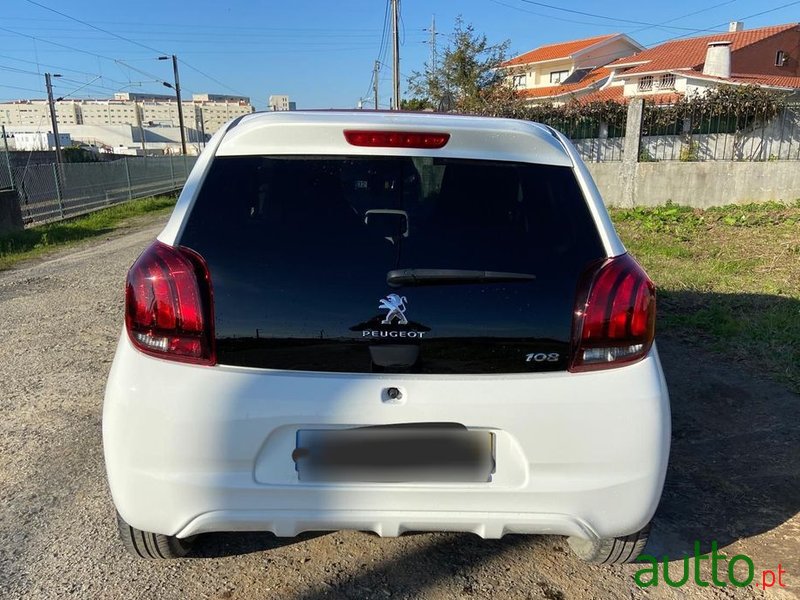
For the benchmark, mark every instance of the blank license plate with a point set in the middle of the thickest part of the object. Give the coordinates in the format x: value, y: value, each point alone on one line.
x: 394, y: 454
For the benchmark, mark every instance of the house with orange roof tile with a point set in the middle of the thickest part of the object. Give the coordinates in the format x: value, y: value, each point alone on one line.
x: 768, y: 57
x: 569, y: 68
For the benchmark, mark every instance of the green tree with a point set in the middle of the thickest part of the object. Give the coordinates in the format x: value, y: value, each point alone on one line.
x: 467, y: 78
x: 416, y: 104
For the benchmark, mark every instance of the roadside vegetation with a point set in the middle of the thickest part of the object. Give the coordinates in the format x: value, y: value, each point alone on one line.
x: 728, y: 278
x: 36, y: 241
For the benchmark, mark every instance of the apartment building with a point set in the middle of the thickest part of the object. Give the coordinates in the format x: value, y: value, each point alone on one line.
x: 207, y: 112
x: 280, y: 102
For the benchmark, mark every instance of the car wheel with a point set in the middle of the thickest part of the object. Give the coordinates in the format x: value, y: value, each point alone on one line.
x: 609, y: 551
x: 154, y: 546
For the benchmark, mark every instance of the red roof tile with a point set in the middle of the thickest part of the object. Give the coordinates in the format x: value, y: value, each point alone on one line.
x: 592, y: 77
x: 753, y: 79
x: 691, y: 53
x: 615, y: 93
x: 556, y: 51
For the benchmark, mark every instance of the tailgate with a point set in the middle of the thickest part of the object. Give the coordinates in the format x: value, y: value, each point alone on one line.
x: 301, y: 252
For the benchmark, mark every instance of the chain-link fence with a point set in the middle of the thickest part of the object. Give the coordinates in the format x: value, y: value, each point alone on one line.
x: 53, y: 192
x: 6, y: 181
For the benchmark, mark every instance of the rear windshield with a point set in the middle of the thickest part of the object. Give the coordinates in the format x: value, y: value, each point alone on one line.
x: 314, y: 213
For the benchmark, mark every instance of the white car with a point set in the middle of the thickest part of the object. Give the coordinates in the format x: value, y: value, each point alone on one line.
x: 387, y: 322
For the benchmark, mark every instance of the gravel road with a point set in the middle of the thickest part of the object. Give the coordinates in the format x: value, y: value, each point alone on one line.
x: 734, y: 478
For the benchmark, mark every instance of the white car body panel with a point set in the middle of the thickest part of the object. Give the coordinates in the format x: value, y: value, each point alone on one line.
x: 192, y: 449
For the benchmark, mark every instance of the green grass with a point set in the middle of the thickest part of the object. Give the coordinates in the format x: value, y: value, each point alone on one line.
x: 35, y: 241
x: 728, y: 278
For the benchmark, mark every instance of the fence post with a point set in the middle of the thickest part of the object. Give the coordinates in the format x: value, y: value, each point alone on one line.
x: 8, y: 158
x: 59, y: 197
x: 128, y: 179
x: 630, y: 156
x: 172, y: 172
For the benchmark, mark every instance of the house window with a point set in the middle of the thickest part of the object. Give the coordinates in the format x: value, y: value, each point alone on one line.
x: 558, y: 76
x: 667, y: 81
x: 519, y: 81
x: 646, y: 83
x: 780, y: 58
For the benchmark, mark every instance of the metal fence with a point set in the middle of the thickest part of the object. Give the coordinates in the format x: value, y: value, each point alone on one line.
x: 595, y: 140
x: 698, y: 137
x: 53, y: 192
x: 726, y: 135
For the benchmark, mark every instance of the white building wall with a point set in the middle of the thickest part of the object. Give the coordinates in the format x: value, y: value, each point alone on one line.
x: 36, y: 113
x: 604, y: 54
x: 215, y: 111
x: 32, y: 141
x: 280, y: 102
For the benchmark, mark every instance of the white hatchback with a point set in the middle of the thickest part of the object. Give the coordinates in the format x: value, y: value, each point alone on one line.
x: 387, y: 322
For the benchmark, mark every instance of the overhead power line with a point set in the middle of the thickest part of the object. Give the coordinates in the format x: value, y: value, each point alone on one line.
x: 764, y: 12
x: 553, y: 17
x: 16, y: 87
x: 723, y: 24
x: 607, y: 18
x: 131, y: 41
x: 62, y: 69
x: 46, y: 41
x: 687, y: 15
x: 106, y: 31
x: 209, y: 77
x: 383, y: 46
x: 19, y: 71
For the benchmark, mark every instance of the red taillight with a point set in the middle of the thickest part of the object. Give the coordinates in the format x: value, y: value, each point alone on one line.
x: 168, y: 305
x: 615, y: 316
x: 396, y: 139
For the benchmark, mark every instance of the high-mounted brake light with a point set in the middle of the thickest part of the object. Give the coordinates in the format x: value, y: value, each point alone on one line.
x: 615, y: 316
x: 396, y: 139
x: 168, y: 310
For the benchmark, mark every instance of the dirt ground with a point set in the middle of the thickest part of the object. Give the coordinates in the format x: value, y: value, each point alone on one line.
x: 734, y: 478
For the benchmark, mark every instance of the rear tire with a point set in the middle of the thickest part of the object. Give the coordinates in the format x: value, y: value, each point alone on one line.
x: 610, y: 551
x: 152, y: 546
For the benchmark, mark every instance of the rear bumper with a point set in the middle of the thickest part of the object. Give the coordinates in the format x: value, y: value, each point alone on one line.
x: 193, y: 449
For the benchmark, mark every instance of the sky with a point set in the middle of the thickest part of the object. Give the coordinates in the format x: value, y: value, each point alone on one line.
x: 320, y: 54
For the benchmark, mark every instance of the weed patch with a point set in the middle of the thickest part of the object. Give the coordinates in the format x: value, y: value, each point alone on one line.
x: 36, y: 240
x: 728, y: 278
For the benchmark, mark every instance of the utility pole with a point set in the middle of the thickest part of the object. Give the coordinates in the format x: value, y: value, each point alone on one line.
x: 395, y: 56
x: 53, y: 118
x: 177, y: 88
x: 433, y: 44
x: 375, y: 72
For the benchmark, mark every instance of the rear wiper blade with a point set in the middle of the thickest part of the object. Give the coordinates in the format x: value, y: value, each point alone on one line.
x: 400, y: 277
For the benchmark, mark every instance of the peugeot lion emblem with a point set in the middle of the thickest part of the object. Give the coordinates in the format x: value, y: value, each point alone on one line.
x: 396, y: 305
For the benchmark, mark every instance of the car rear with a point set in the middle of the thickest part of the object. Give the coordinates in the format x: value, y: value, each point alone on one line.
x: 387, y: 323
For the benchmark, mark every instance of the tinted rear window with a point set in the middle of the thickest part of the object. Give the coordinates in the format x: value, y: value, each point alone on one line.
x: 450, y: 213
x: 299, y: 249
